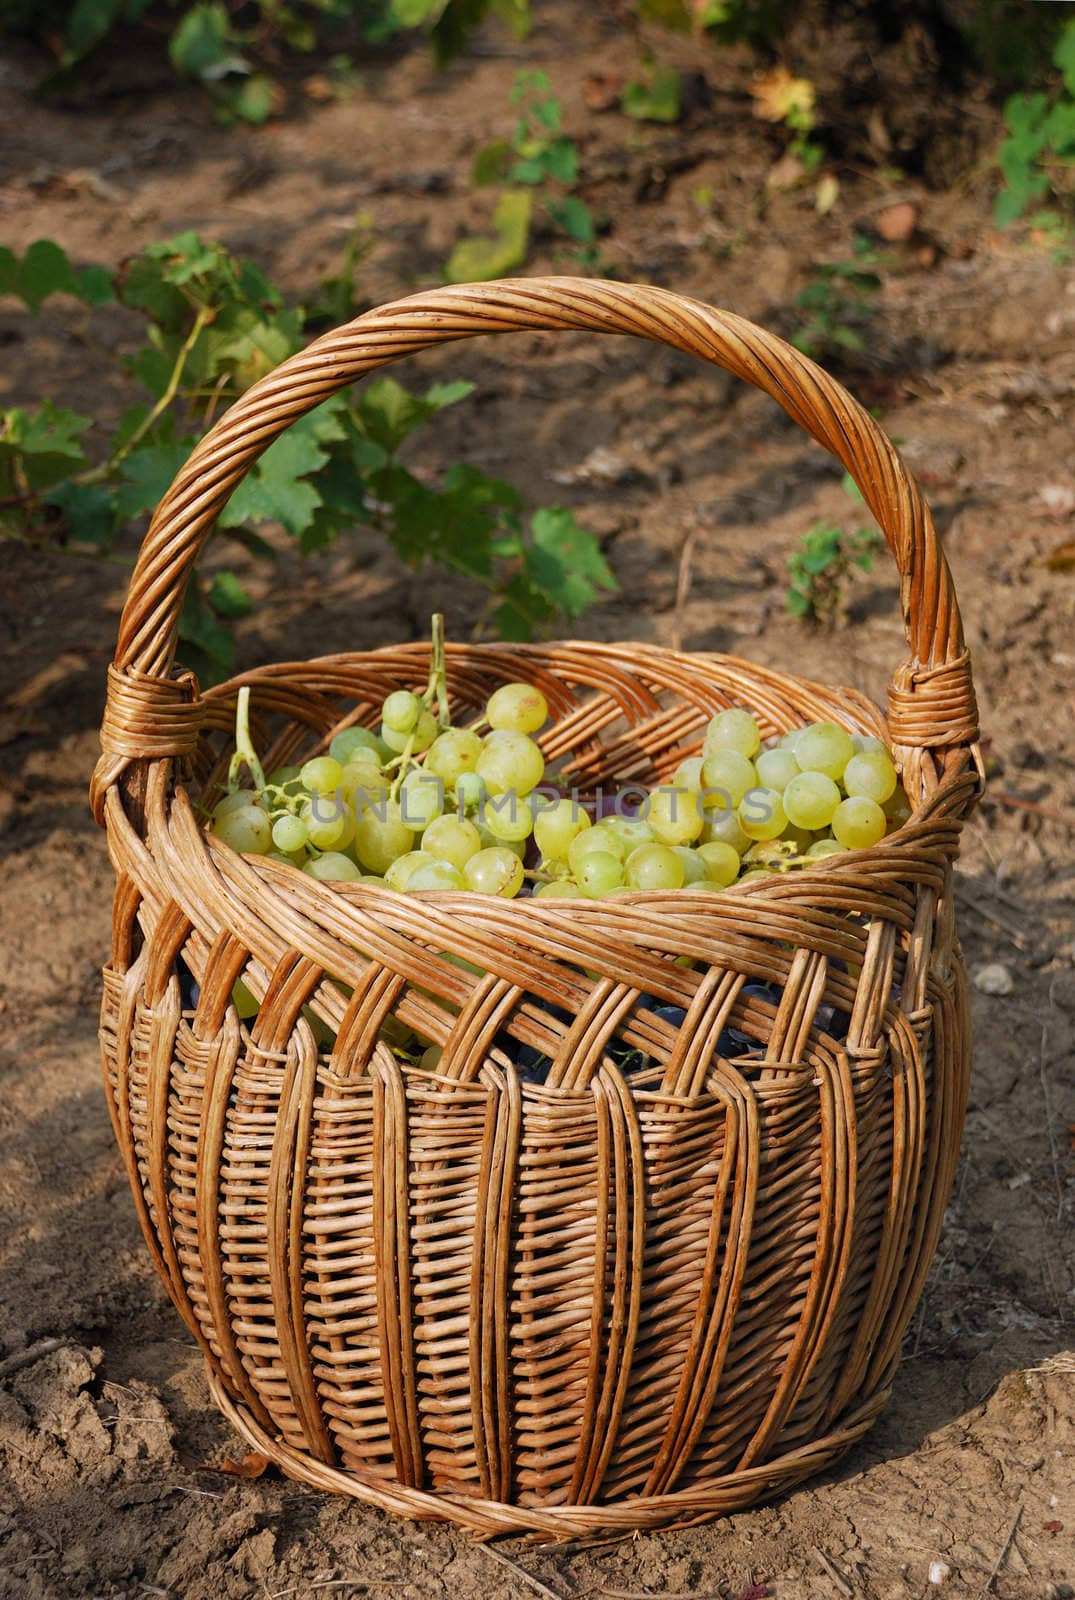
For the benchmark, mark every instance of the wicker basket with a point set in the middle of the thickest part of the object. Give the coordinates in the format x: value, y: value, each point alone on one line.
x: 604, y: 1302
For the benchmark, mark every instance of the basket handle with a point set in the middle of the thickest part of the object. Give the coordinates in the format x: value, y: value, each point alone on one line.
x: 149, y: 714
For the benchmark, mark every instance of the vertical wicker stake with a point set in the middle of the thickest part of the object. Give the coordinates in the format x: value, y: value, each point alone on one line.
x: 601, y: 1302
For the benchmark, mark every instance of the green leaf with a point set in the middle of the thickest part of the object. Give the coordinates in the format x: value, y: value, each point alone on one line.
x: 1064, y: 56
x: 476, y: 260
x: 147, y: 474
x: 388, y: 411
x: 574, y: 217
x: 848, y: 484
x: 561, y: 161
x: 227, y: 596
x: 94, y: 286
x: 565, y: 563
x: 491, y: 163
x: 45, y: 270
x: 199, y: 46
x: 252, y: 100
x: 655, y: 101
x: 413, y: 13
x: 88, y: 509
x: 211, y: 648
x: 39, y: 448
x: 87, y: 24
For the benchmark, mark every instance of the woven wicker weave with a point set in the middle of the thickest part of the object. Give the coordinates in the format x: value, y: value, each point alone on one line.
x: 604, y: 1302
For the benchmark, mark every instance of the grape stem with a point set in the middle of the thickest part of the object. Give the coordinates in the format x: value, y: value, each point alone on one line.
x: 437, y: 687
x: 245, y: 754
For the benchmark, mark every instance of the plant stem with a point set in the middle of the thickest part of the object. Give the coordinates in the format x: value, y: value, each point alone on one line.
x: 245, y: 754
x: 437, y: 687
x: 202, y: 320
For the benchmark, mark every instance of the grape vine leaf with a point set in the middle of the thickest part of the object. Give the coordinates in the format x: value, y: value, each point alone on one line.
x: 147, y: 473
x: 476, y: 260
x: 565, y: 561
x: 88, y: 510
x: 39, y: 448
x: 227, y: 596
x: 655, y: 101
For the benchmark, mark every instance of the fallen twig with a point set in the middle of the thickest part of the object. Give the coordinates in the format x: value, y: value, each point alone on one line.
x: 683, y: 587
x: 521, y: 1572
x: 1001, y: 923
x: 838, y: 1579
x: 1005, y: 1547
x: 1051, y: 812
x: 32, y: 1353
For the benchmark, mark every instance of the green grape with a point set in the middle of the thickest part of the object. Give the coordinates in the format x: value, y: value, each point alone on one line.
x: 332, y: 867
x: 517, y: 707
x: 826, y: 847
x: 871, y: 774
x: 246, y: 829
x: 810, y: 800
x: 494, y: 871
x: 864, y: 742
x: 761, y: 813
x: 722, y: 827
x: 362, y: 783
x: 599, y: 873
x: 429, y: 1060
x: 509, y: 819
x: 755, y: 872
x: 632, y: 830
x: 421, y: 798
x: 329, y: 821
x: 381, y: 835
x: 654, y: 866
x: 296, y: 858
x: 282, y: 776
x: 470, y: 790
x: 556, y: 825
x: 688, y: 775
x: 599, y: 837
x: 720, y: 861
x: 245, y: 1003
x: 511, y: 761
x: 826, y: 748
x: 733, y: 730
x: 693, y: 864
x: 322, y: 775
x: 491, y: 842
x: 776, y: 768
x: 675, y: 815
x: 425, y: 732
x: 420, y: 737
x: 726, y: 777
x: 234, y: 802
x: 289, y: 834
x: 897, y: 808
x: 373, y: 877
x: 560, y: 889
x: 356, y: 744
x: 859, y: 822
x: 401, y: 711
x: 790, y: 740
x: 452, y: 838
x: 452, y: 753
x: 438, y: 875
x: 398, y: 872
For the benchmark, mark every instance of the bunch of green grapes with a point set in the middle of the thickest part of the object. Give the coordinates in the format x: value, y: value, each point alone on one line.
x: 420, y: 805
x: 734, y: 813
x: 423, y: 805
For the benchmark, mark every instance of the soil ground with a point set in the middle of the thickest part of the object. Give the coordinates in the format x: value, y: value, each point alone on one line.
x: 112, y: 1450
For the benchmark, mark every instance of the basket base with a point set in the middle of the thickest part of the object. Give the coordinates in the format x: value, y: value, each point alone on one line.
x: 552, y: 1524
